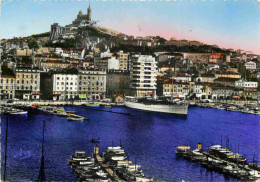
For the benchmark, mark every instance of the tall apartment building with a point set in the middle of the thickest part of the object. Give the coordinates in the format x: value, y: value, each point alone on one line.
x: 65, y: 86
x: 92, y: 84
x: 123, y: 60
x: 27, y: 83
x: 143, y: 75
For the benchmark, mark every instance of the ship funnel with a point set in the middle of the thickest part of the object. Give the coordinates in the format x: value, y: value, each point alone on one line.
x: 96, y: 150
x: 199, y: 146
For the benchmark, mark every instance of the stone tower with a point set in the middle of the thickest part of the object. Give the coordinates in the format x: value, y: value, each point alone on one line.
x: 89, y: 13
x: 80, y: 14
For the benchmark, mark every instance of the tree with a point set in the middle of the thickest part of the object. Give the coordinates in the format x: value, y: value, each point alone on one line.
x: 161, y: 40
x: 33, y: 45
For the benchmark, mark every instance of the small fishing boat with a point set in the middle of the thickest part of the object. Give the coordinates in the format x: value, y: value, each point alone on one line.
x: 101, y: 173
x: 95, y: 140
x: 62, y: 114
x: 92, y: 104
x: 196, y: 156
x: 75, y: 118
x: 109, y: 107
x: 182, y: 150
x: 18, y: 112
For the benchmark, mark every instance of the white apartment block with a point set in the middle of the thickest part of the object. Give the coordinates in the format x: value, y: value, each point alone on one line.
x: 250, y: 65
x: 245, y: 84
x: 143, y: 75
x: 113, y: 63
x: 65, y: 86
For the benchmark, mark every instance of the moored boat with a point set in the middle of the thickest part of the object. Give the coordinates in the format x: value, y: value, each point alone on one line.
x: 92, y: 104
x: 75, y: 118
x: 95, y: 140
x: 182, y: 150
x: 164, y: 105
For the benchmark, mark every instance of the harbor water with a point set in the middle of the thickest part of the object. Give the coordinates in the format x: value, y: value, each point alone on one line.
x: 148, y: 138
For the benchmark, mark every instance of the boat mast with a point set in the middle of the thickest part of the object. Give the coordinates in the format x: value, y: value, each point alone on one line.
x: 173, y: 62
x: 41, y: 176
x: 6, y: 134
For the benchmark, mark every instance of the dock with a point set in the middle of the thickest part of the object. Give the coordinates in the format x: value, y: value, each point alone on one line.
x: 221, y: 160
x: 113, y: 166
x: 105, y: 167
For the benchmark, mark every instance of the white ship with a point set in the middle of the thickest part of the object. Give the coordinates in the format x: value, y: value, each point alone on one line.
x: 163, y: 105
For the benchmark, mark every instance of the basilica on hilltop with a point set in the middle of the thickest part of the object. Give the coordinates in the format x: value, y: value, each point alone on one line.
x: 82, y: 18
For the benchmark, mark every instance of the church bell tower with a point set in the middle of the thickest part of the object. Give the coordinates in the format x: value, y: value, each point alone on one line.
x: 89, y: 13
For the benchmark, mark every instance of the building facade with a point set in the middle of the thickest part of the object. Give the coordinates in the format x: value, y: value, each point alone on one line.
x: 27, y: 83
x: 92, y: 84
x: 176, y: 89
x: 7, y: 86
x: 143, y: 76
x: 123, y: 60
x: 65, y: 86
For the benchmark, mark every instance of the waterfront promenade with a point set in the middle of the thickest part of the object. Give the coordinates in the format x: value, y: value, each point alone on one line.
x: 80, y: 102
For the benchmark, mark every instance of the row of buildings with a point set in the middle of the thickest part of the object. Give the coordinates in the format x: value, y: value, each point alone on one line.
x: 89, y: 70
x: 142, y: 77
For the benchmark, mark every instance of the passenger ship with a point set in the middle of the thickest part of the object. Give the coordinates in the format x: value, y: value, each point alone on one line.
x: 164, y: 105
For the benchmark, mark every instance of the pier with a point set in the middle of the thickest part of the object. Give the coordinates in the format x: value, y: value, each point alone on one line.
x: 105, y: 167
x: 112, y: 166
x: 221, y: 160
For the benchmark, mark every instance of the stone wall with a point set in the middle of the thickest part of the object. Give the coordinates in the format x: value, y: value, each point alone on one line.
x: 197, y: 57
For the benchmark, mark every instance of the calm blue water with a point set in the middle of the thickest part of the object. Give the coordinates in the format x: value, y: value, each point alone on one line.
x: 149, y: 138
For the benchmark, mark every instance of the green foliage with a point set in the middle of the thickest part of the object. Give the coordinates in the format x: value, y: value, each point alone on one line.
x: 151, y: 50
x: 69, y: 43
x: 161, y: 40
x: 33, y: 45
x: 46, y: 34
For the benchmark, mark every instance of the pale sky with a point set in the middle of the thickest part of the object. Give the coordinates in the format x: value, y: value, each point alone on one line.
x: 229, y: 24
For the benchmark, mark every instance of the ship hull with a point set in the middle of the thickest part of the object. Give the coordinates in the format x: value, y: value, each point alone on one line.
x: 171, y: 109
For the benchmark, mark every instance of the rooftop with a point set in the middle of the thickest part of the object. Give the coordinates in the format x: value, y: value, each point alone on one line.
x: 7, y: 72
